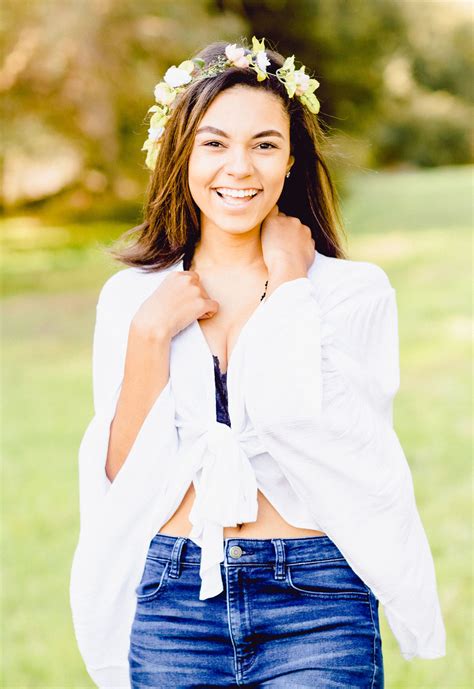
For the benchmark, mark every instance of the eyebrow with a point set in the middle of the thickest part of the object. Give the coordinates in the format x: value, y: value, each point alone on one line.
x: 219, y: 132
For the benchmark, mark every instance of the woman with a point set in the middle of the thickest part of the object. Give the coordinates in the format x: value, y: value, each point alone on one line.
x: 245, y: 582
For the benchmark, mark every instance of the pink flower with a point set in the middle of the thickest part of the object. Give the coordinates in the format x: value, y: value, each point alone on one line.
x: 301, y: 81
x: 236, y: 55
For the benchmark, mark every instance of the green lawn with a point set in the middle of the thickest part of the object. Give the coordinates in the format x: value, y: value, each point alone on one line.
x: 415, y: 225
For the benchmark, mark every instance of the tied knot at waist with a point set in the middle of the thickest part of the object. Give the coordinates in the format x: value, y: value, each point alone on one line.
x: 226, y: 495
x: 219, y: 434
x: 226, y: 487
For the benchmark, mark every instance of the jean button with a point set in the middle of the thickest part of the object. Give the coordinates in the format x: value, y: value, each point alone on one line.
x: 236, y: 551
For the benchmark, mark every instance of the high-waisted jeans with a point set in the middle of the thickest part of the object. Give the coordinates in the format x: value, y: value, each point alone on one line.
x: 293, y: 613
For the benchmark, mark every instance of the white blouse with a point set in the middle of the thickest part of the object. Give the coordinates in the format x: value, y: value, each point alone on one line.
x: 311, y: 382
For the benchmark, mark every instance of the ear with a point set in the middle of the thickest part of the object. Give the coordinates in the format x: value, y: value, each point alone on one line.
x: 291, y: 161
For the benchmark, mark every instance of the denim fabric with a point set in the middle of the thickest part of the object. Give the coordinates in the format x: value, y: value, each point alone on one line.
x: 292, y: 614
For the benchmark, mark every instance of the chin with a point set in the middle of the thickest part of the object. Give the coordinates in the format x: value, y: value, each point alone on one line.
x: 235, y: 225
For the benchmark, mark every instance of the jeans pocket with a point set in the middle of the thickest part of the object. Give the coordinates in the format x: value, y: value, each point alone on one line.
x: 154, y: 579
x: 326, y: 579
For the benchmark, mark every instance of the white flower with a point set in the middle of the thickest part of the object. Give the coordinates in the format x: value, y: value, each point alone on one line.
x: 236, y: 55
x: 164, y: 93
x: 177, y: 77
x: 154, y: 133
x: 262, y: 61
x: 301, y: 81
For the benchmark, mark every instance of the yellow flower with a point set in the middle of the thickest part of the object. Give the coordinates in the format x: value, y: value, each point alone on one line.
x: 257, y: 45
x: 258, y: 59
x: 310, y: 101
x: 159, y: 119
x: 288, y: 65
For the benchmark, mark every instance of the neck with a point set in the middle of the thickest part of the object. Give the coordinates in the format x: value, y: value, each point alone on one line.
x: 219, y: 250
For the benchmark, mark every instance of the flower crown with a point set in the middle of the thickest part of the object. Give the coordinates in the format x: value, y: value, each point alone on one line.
x: 296, y: 82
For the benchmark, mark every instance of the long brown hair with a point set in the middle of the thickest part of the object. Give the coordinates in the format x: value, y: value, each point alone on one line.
x: 171, y: 226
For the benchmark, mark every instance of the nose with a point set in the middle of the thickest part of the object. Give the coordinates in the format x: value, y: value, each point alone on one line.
x: 239, y: 163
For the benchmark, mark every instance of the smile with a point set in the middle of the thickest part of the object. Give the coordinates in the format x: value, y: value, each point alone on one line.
x: 235, y: 201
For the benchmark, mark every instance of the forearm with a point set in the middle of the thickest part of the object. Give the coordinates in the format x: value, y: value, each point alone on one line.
x: 146, y: 374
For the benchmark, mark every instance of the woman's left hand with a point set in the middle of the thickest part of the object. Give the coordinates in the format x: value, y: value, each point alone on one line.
x: 286, y: 242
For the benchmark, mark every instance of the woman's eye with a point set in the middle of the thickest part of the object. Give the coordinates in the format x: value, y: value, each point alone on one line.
x: 264, y: 143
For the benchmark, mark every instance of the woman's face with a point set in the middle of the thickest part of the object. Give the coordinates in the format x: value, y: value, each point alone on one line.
x: 238, y: 155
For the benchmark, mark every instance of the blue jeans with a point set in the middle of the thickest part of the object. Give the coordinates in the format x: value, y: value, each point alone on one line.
x: 293, y: 613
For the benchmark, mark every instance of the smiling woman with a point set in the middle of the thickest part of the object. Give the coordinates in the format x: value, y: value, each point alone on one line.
x: 236, y: 179
x: 245, y: 502
x: 283, y: 131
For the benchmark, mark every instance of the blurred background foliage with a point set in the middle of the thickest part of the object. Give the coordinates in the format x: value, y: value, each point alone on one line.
x: 77, y: 79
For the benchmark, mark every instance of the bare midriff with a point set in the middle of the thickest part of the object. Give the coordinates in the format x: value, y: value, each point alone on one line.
x: 269, y: 523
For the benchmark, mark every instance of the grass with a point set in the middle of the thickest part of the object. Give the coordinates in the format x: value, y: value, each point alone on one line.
x: 415, y: 225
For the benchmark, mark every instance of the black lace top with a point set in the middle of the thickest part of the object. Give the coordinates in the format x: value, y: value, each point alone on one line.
x: 222, y: 411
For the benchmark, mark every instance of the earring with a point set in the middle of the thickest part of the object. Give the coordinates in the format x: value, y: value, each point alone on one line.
x: 288, y: 173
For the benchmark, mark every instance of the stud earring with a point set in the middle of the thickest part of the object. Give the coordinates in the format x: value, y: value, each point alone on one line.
x: 288, y: 173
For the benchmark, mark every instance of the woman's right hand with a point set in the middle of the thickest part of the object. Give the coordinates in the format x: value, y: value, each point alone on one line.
x: 176, y: 302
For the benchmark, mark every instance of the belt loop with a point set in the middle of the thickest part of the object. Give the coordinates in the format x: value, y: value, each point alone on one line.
x: 176, y: 557
x: 279, y: 558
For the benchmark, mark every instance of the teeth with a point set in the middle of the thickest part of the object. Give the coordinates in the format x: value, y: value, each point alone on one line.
x: 239, y: 194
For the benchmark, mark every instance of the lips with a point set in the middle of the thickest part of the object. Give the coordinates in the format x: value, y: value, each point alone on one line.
x: 235, y: 202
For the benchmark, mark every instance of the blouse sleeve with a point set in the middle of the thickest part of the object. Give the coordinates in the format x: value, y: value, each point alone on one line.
x: 146, y: 465
x: 321, y: 376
